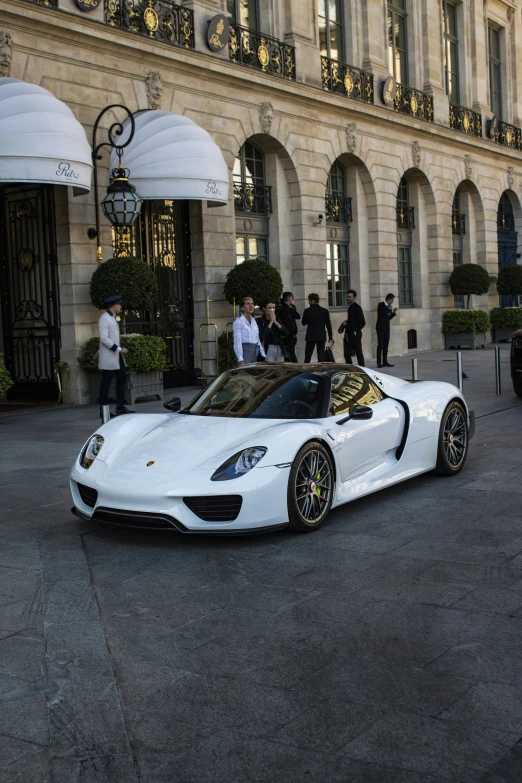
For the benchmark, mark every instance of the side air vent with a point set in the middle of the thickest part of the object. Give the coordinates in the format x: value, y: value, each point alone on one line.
x: 224, y: 508
x: 88, y: 495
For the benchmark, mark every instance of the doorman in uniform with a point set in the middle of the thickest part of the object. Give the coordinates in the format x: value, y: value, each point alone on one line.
x: 385, y: 312
x: 110, y: 355
x: 352, y: 329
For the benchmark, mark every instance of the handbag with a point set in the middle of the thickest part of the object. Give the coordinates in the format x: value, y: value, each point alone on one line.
x: 328, y: 355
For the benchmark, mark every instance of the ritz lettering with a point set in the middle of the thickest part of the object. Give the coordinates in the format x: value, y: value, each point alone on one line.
x: 66, y: 171
x: 213, y: 189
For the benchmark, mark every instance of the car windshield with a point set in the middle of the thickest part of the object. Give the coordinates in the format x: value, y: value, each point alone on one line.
x: 263, y: 393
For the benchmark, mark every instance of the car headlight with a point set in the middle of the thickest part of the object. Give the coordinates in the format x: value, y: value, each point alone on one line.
x: 239, y: 464
x: 90, y: 451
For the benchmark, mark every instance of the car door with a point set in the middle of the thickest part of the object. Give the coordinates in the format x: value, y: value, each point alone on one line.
x: 363, y: 444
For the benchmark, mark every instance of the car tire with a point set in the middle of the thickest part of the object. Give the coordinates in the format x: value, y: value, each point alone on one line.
x: 311, y: 486
x: 453, y: 442
x: 517, y: 388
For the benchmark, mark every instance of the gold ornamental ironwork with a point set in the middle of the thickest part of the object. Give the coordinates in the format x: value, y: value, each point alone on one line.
x: 509, y: 137
x: 150, y: 19
x: 348, y: 84
x: 169, y: 260
x: 263, y: 55
x: 465, y: 122
x: 414, y: 104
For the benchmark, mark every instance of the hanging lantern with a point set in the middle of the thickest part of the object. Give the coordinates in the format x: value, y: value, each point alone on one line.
x: 121, y: 205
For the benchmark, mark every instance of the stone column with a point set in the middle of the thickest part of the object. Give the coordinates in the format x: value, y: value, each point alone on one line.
x: 433, y: 60
x: 479, y: 58
x: 375, y: 42
x: 301, y: 31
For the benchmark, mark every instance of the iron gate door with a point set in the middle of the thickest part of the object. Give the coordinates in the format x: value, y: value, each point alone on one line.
x: 162, y: 238
x: 507, y: 254
x: 29, y: 290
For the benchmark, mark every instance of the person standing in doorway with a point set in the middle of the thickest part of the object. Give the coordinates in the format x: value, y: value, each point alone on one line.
x: 247, y: 345
x: 288, y: 317
x: 272, y: 333
x: 385, y: 312
x: 110, y: 355
x: 352, y: 329
x: 317, y: 322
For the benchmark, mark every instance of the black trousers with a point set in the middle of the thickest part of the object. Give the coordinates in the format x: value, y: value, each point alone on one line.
x: 383, y: 341
x: 105, y: 384
x: 309, y: 349
x: 353, y: 345
x: 290, y: 343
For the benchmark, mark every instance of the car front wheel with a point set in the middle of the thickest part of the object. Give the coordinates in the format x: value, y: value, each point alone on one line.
x: 453, y: 440
x: 310, y: 488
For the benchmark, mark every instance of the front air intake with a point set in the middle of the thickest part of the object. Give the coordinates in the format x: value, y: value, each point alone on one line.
x: 88, y: 495
x: 221, y: 508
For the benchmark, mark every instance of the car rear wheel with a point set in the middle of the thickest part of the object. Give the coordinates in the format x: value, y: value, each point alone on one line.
x: 453, y: 440
x: 310, y: 488
x: 517, y: 388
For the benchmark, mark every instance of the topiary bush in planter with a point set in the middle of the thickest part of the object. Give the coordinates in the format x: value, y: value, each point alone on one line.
x: 129, y: 277
x: 255, y: 278
x: 469, y: 280
x: 146, y: 360
x: 5, y: 379
x: 227, y: 357
x: 509, y: 281
x: 505, y: 321
x: 460, y: 328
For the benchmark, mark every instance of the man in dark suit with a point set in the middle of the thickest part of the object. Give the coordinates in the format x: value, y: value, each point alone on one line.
x: 385, y: 312
x: 288, y: 317
x: 352, y: 329
x: 317, y: 320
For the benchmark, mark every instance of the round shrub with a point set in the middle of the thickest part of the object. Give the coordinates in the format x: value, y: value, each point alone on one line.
x: 131, y: 278
x: 468, y: 280
x: 509, y: 280
x: 506, y: 318
x: 469, y: 321
x: 255, y: 278
x: 146, y: 353
x: 5, y: 379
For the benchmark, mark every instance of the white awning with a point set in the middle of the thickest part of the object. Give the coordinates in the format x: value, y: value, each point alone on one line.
x: 171, y: 158
x: 40, y: 138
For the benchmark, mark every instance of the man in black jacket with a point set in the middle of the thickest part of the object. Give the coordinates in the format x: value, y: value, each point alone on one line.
x: 288, y: 316
x: 352, y: 329
x: 385, y: 312
x: 317, y: 320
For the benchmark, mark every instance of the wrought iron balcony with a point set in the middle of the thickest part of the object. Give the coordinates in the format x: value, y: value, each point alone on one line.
x: 506, y: 222
x: 414, y: 103
x: 47, y: 3
x: 465, y: 120
x: 338, y: 209
x: 162, y: 20
x: 346, y: 80
x: 458, y: 224
x: 406, y: 218
x: 252, y: 198
x: 509, y: 136
x: 257, y: 50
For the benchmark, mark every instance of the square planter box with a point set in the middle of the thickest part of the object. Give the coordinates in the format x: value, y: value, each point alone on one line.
x: 503, y: 335
x: 465, y: 340
x: 143, y: 384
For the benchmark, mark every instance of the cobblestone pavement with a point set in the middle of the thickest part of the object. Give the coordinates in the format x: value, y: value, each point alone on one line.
x: 384, y: 648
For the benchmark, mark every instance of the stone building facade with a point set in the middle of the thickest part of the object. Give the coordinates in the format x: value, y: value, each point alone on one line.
x: 421, y: 170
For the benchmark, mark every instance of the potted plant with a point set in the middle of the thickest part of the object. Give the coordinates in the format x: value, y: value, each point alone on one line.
x: 146, y: 360
x: 465, y: 328
x: 469, y: 280
x: 129, y: 277
x: 255, y: 278
x: 5, y: 379
x: 509, y: 281
x: 505, y: 321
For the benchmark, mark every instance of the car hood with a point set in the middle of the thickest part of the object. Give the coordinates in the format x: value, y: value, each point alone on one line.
x: 178, y: 443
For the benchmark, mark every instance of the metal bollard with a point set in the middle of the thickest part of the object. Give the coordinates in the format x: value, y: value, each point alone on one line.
x: 459, y: 371
x: 105, y: 413
x: 414, y: 370
x: 497, y: 371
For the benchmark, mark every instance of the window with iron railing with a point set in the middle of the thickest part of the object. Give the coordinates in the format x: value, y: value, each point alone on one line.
x: 451, y: 50
x: 398, y: 40
x: 161, y: 20
x: 251, y: 193
x: 337, y: 205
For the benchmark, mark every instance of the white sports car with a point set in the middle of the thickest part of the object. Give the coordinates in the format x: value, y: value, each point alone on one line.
x: 267, y: 446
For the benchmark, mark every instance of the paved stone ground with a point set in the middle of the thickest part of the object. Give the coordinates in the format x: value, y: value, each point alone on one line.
x: 385, y: 648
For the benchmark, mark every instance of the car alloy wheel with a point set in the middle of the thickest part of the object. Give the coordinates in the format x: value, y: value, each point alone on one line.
x: 455, y: 438
x: 311, y: 485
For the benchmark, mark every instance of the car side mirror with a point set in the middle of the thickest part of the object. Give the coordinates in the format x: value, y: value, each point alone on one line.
x: 359, y: 413
x: 174, y: 404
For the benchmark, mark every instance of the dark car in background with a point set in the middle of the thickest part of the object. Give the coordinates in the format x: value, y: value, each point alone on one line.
x: 516, y: 362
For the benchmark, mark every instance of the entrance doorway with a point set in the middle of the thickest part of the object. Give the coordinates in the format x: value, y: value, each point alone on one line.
x: 29, y: 290
x: 161, y: 237
x: 507, y: 240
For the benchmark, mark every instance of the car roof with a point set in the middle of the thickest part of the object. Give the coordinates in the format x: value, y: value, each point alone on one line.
x: 322, y: 368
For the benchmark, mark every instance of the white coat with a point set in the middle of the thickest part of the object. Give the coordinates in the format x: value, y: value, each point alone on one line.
x: 109, y: 330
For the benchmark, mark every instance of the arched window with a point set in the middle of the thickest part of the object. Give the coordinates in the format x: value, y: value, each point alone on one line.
x: 507, y: 239
x: 338, y: 210
x: 253, y: 201
x: 405, y: 226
